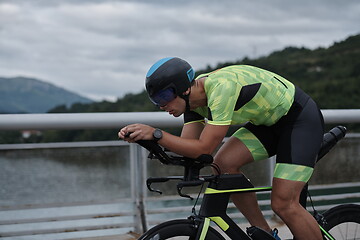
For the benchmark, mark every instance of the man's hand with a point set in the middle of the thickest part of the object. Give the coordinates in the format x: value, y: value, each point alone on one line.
x: 135, y: 132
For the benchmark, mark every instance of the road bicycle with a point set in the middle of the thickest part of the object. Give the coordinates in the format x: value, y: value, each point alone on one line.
x: 340, y: 222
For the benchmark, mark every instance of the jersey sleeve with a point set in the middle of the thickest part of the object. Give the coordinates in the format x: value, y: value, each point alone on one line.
x: 191, y: 116
x: 222, y: 98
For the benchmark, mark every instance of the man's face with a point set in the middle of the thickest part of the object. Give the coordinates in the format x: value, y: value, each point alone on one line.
x: 176, y: 107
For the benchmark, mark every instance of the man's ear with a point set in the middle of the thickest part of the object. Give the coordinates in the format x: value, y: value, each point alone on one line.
x: 187, y: 92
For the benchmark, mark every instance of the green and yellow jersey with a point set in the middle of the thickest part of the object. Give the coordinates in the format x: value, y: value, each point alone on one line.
x: 241, y: 93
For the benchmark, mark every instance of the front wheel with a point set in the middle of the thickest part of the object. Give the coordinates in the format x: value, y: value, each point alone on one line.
x: 178, y: 229
x: 343, y: 222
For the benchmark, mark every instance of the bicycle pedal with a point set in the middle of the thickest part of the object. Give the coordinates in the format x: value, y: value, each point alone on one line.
x: 257, y: 233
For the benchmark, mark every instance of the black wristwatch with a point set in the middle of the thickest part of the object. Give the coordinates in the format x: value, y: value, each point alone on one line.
x: 157, y: 134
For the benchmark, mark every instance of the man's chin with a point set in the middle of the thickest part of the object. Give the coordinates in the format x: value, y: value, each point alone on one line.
x: 177, y: 114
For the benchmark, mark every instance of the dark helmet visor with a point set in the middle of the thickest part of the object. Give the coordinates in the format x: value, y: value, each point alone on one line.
x: 163, y: 97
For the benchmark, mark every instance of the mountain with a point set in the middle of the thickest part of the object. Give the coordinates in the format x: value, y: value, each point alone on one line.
x: 29, y: 95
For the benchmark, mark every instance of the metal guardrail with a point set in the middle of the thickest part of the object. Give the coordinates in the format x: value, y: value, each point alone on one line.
x: 62, y: 121
x: 117, y: 120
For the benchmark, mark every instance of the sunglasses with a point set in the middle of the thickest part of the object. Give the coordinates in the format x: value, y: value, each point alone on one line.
x: 163, y: 97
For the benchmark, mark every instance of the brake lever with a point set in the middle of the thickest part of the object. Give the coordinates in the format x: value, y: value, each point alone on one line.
x: 183, y: 184
x: 152, y: 180
x: 152, y: 189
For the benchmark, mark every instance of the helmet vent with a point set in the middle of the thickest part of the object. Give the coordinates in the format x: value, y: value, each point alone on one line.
x: 191, y: 74
x: 157, y: 65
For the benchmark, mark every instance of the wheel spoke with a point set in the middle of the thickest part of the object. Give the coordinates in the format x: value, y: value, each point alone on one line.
x: 346, y: 231
x: 355, y: 232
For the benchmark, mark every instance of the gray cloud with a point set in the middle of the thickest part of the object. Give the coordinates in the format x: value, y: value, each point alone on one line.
x: 102, y: 49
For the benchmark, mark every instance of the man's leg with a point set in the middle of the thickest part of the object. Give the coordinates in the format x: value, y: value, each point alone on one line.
x: 285, y: 203
x: 231, y: 156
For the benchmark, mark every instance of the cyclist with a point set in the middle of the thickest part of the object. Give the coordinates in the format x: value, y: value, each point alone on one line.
x: 275, y: 118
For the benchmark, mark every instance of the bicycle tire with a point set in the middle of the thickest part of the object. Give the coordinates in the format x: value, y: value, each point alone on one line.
x: 343, y: 221
x: 178, y: 229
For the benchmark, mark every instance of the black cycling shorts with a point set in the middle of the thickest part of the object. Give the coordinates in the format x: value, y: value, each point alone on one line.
x: 295, y: 139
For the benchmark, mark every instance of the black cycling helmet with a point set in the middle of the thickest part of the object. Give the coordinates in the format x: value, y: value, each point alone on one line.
x: 168, y: 78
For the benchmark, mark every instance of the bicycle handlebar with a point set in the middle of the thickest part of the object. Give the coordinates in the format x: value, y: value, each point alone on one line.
x: 158, y: 152
x: 155, y: 150
x: 192, y: 167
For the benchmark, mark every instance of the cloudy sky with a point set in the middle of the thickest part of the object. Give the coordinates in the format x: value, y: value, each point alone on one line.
x: 103, y: 49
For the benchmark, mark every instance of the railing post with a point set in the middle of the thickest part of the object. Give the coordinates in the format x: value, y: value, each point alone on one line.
x: 138, y: 178
x: 271, y: 166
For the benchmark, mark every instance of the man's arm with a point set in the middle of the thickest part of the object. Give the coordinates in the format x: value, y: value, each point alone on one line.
x: 192, y: 130
x: 210, y: 138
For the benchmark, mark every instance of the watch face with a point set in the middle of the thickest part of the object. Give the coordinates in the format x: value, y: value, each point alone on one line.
x: 157, y: 134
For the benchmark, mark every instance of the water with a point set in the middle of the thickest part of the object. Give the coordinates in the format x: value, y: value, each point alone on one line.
x: 68, y: 175
x: 44, y: 176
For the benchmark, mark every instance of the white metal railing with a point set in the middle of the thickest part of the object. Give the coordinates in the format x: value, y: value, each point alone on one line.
x: 85, y: 120
x: 117, y: 120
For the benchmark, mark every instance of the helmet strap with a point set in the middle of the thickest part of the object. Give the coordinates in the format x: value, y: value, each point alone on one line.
x: 186, y: 98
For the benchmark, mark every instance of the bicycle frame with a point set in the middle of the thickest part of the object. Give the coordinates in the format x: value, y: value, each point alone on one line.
x: 215, y: 202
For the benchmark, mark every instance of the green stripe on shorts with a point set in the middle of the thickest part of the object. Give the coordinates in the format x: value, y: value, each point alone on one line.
x: 254, y: 145
x: 293, y: 172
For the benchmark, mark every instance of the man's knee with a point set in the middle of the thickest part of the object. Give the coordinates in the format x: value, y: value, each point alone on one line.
x: 230, y: 166
x: 283, y: 205
x: 285, y: 196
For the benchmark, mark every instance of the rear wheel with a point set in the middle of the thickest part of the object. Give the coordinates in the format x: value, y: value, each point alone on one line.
x: 178, y: 229
x: 343, y: 222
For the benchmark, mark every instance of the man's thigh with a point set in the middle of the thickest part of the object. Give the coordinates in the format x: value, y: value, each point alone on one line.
x: 232, y: 155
